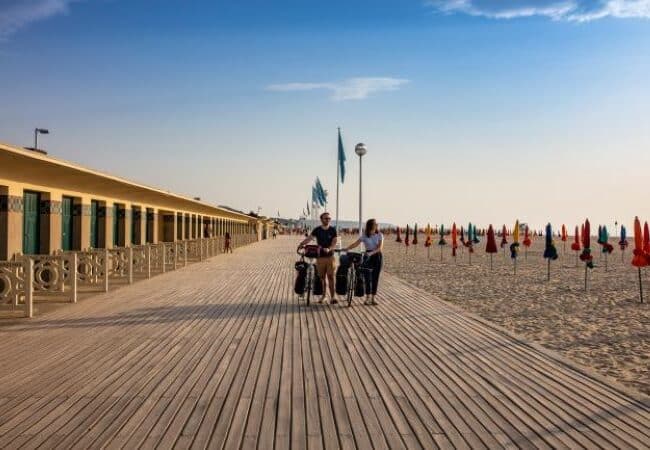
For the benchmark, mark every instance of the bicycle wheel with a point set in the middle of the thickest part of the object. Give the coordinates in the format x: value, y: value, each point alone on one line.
x: 308, y: 283
x: 351, y: 283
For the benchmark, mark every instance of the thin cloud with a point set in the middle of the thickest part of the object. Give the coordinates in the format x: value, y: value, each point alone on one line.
x: 569, y: 10
x: 16, y: 14
x: 350, y: 89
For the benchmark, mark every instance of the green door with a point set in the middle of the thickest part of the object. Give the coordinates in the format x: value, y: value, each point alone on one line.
x: 116, y: 221
x: 66, y: 223
x: 31, y: 223
x: 94, y: 224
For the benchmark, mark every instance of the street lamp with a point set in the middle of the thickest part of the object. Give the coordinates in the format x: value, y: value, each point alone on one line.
x: 360, y: 150
x: 38, y: 131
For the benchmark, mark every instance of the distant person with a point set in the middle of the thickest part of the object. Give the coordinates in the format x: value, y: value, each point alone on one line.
x: 373, y: 241
x: 275, y: 234
x: 227, y: 248
x: 326, y: 238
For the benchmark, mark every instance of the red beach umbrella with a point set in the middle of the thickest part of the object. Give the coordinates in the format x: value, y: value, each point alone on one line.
x: 640, y: 257
x: 646, y: 239
x: 564, y: 235
x: 504, y: 233
x: 575, y: 246
x: 491, y: 246
x: 454, y: 239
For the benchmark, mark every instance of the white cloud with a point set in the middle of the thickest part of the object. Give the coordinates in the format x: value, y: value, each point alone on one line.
x: 350, y: 89
x: 570, y: 10
x: 15, y: 14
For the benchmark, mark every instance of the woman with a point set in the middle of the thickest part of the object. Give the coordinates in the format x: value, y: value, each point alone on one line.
x: 373, y: 241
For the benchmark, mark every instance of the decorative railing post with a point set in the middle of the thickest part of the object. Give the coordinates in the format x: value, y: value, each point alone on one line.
x: 129, y: 252
x: 148, y: 260
x: 29, y: 287
x: 106, y: 268
x: 162, y: 257
x: 74, y: 262
x: 200, y: 249
x: 184, y: 253
x: 175, y: 249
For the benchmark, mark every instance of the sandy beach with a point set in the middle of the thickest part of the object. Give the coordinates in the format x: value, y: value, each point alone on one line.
x: 605, y: 328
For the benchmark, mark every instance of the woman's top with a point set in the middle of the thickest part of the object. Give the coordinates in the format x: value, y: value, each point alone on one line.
x: 373, y: 242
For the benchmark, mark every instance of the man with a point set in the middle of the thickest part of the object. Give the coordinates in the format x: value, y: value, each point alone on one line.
x: 326, y: 238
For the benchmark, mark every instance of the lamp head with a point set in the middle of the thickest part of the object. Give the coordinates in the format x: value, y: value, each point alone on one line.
x: 361, y: 149
x: 43, y: 131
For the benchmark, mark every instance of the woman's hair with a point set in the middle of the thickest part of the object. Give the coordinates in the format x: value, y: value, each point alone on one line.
x: 370, y: 224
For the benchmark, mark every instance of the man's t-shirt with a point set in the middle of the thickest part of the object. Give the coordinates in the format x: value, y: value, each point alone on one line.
x: 324, y: 238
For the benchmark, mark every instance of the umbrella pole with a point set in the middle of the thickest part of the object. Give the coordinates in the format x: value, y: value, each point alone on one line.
x: 526, y: 254
x: 640, y: 286
x: 585, y: 277
x: 490, y: 261
x: 548, y: 270
x: 605, y: 262
x: 515, y: 266
x: 429, y: 253
x: 441, y: 253
x: 470, y: 257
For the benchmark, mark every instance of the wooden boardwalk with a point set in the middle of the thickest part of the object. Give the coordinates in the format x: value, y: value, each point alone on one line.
x: 219, y: 355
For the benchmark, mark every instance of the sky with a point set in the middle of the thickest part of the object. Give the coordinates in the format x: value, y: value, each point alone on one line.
x: 471, y: 110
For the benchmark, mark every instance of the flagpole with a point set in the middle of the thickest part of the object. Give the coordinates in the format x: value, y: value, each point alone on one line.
x: 338, y: 177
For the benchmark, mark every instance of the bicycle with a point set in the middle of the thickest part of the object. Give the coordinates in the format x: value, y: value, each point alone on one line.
x: 356, y: 267
x: 308, y: 255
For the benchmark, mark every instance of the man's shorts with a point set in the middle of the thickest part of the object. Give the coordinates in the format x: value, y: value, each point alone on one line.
x: 325, y: 266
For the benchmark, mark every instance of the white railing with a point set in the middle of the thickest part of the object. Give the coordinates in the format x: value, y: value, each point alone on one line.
x: 30, y: 278
x: 16, y: 286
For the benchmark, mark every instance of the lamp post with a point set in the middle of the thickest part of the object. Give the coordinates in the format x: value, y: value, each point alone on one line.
x: 38, y: 131
x: 360, y: 150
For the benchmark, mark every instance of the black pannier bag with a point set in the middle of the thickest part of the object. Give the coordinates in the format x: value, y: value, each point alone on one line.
x: 301, y: 277
x: 342, y: 280
x: 360, y: 288
x: 318, y: 283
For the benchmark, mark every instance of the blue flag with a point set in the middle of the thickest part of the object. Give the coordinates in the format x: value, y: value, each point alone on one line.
x: 341, y: 158
x: 321, y: 195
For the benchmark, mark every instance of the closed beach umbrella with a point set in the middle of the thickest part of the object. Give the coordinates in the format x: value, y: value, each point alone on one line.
x: 550, y: 252
x: 646, y: 239
x: 586, y: 256
x: 475, y: 238
x: 564, y: 234
x: 640, y: 257
x: 442, y: 236
x: 575, y: 246
x: 406, y: 237
x: 622, y: 243
x: 504, y: 233
x: 607, y: 247
x: 527, y: 242
x: 491, y: 246
x: 415, y: 234
x: 399, y: 236
x: 514, y: 247
x: 462, y: 235
x: 454, y: 240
